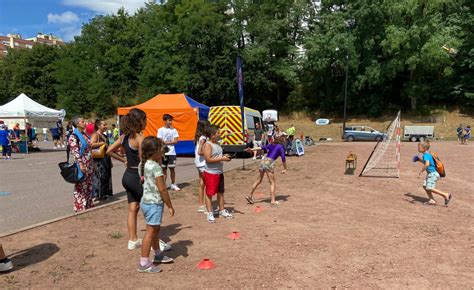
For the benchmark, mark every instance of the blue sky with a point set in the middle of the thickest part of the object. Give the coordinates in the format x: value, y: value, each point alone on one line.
x: 63, y: 18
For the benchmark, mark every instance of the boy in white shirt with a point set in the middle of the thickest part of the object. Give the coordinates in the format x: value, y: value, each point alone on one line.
x: 169, y: 136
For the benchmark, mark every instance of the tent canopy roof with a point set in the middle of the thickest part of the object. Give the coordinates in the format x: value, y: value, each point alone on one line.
x: 22, y: 106
x: 166, y: 102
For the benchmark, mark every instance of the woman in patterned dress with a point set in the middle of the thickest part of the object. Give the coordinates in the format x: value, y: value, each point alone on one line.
x: 80, y: 146
x: 103, y: 172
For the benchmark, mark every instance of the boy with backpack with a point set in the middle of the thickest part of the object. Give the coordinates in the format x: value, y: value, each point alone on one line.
x: 432, y: 165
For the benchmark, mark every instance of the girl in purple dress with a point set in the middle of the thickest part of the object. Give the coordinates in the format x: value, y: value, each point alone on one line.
x: 267, y: 166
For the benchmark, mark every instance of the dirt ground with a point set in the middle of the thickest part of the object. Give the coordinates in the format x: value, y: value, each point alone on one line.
x: 331, y: 230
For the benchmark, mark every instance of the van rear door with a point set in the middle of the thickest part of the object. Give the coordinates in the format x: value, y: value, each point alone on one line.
x: 234, y: 126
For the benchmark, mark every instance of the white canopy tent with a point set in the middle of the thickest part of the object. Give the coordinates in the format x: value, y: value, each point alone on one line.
x: 22, y: 108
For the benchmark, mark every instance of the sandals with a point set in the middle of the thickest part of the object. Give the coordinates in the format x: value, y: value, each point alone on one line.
x: 274, y: 204
x: 446, y: 201
x: 249, y: 199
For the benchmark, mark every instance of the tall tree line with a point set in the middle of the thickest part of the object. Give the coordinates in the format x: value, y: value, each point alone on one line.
x: 409, y: 54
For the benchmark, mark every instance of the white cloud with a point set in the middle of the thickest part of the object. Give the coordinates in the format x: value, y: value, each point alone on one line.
x: 67, y: 33
x: 66, y: 17
x: 107, y: 6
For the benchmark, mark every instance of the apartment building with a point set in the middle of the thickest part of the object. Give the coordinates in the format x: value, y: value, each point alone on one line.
x: 15, y: 41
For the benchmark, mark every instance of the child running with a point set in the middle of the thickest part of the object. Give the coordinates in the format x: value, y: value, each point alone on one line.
x: 213, y: 174
x: 267, y: 167
x: 154, y: 194
x: 432, y: 176
x: 199, y: 141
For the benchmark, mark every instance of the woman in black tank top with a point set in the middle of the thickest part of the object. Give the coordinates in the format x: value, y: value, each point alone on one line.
x: 132, y: 126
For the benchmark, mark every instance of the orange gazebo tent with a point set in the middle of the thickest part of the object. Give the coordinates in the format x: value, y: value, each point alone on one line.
x: 185, y: 111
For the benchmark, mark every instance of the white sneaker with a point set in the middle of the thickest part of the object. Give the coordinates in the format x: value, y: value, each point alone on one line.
x: 174, y: 187
x: 254, y: 158
x: 214, y: 211
x: 211, y: 218
x: 54, y: 147
x: 132, y: 245
x: 202, y: 208
x: 164, y: 246
x: 225, y: 214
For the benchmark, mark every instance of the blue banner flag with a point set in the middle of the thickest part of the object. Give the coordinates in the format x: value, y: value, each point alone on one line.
x: 240, y: 87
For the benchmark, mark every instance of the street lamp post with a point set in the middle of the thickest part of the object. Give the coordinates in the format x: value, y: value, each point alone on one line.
x: 345, y: 94
x: 349, y: 24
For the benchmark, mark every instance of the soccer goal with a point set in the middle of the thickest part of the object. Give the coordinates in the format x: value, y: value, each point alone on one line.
x: 384, y: 161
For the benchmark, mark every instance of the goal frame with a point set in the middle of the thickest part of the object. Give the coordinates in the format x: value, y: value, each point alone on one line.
x: 397, y: 133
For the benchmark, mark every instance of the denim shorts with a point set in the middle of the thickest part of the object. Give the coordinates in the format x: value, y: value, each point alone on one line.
x: 430, y: 181
x: 153, y: 213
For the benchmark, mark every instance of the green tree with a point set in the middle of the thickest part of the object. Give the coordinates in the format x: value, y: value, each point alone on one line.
x: 30, y: 71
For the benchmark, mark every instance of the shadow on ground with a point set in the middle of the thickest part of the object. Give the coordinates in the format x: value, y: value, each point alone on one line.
x: 350, y: 171
x: 416, y: 198
x: 113, y: 198
x: 33, y: 255
x: 277, y: 198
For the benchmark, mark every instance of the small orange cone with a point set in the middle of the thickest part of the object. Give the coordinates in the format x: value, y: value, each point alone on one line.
x: 258, y: 209
x: 206, y: 264
x: 234, y: 236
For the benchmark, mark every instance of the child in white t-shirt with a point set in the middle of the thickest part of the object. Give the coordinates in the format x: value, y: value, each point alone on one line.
x: 169, y: 136
x: 199, y: 140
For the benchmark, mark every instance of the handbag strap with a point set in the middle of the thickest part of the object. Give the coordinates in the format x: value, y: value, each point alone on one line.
x: 68, y: 150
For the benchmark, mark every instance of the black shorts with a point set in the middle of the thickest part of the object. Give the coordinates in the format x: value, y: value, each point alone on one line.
x: 133, y: 185
x: 56, y: 138
x: 168, y: 161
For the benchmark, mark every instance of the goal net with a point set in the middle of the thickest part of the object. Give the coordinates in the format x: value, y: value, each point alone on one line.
x: 384, y: 161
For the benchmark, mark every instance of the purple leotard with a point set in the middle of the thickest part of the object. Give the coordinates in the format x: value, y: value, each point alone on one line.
x: 275, y: 150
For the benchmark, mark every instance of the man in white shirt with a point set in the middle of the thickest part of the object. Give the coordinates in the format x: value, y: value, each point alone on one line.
x: 169, y: 136
x: 45, y: 134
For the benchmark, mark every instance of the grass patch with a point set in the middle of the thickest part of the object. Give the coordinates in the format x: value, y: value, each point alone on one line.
x: 10, y: 279
x: 115, y: 235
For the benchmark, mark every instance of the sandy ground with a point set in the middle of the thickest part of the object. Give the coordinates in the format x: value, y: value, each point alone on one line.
x: 331, y: 230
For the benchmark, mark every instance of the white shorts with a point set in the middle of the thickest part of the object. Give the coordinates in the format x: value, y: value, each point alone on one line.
x: 257, y: 144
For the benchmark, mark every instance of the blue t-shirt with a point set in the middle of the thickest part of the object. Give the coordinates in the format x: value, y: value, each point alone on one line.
x: 54, y: 131
x: 4, y: 137
x: 427, y: 156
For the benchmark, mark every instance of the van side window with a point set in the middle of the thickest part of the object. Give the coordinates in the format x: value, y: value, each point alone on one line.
x: 257, y: 120
x: 250, y: 123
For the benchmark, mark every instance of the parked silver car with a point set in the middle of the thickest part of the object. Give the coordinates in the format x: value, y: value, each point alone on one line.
x: 362, y: 133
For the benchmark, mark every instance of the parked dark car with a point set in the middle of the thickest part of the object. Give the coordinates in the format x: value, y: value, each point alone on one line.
x: 362, y: 133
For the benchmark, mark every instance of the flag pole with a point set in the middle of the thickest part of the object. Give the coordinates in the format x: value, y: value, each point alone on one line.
x: 240, y: 87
